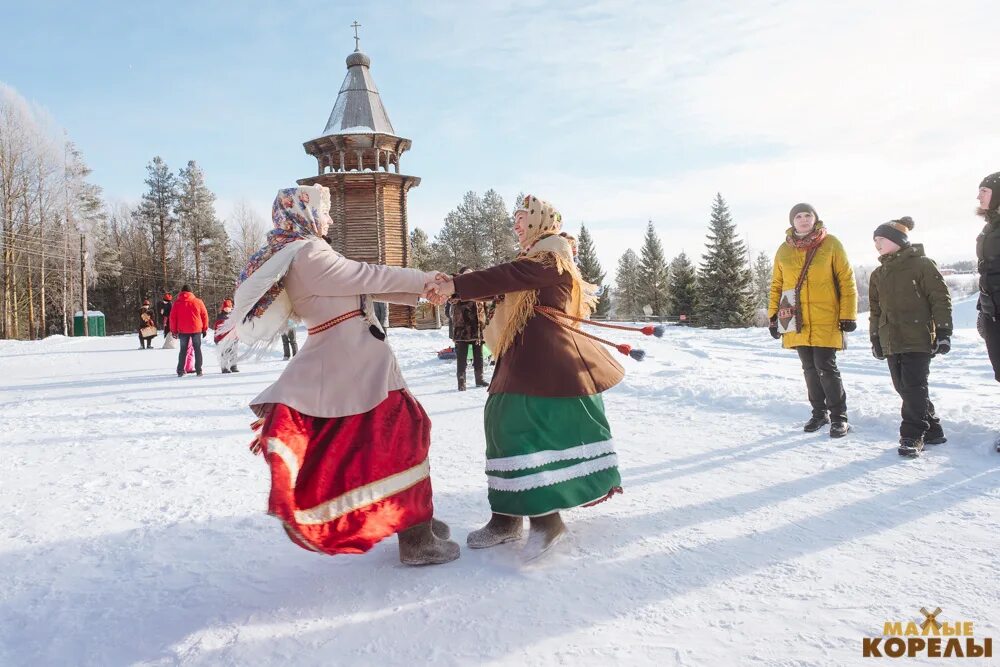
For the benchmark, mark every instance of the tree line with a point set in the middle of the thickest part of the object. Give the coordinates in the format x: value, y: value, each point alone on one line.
x: 62, y: 243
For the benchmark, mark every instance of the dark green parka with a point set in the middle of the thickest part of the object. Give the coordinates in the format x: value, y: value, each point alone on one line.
x: 910, y: 303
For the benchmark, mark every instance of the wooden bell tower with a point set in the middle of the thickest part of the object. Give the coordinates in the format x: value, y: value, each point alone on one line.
x: 354, y: 156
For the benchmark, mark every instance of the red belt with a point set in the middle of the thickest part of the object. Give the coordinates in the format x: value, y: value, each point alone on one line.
x: 329, y: 324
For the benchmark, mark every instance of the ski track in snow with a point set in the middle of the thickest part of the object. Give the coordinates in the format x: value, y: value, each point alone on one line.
x: 133, y: 528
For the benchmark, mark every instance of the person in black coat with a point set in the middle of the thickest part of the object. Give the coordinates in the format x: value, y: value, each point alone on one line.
x: 164, y: 312
x: 468, y: 325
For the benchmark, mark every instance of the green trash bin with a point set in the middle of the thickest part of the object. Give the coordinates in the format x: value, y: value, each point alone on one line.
x: 95, y: 323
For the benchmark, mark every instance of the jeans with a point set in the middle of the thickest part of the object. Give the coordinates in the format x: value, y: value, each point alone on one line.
x: 189, y: 339
x: 823, y: 384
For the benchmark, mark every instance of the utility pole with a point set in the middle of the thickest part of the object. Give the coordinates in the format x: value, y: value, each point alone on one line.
x: 83, y: 281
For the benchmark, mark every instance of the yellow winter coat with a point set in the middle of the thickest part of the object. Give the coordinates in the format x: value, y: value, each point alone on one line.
x: 828, y: 293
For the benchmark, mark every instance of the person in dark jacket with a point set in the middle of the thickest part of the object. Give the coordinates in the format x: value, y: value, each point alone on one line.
x: 468, y: 320
x: 910, y: 322
x: 147, y: 326
x: 164, y: 312
x: 288, y: 342
x: 189, y: 321
x: 988, y: 254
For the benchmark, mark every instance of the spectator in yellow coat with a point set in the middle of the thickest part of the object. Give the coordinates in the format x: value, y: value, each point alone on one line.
x: 813, y: 314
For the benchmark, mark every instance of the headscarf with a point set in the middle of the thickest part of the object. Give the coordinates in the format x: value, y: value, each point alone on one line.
x: 296, y: 216
x: 543, y: 244
x: 810, y: 240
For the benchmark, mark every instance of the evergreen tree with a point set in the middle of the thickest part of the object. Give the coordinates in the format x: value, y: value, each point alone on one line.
x: 725, y: 284
x: 628, y: 297
x: 498, y: 227
x: 421, y: 254
x: 653, y: 273
x: 683, y: 287
x: 762, y: 268
x: 590, y: 269
x: 208, y: 240
x: 157, y: 209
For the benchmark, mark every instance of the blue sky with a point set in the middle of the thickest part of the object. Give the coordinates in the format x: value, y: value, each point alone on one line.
x: 617, y: 111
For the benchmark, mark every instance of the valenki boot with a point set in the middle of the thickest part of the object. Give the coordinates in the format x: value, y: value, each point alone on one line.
x: 501, y: 528
x: 546, y: 531
x: 420, y: 546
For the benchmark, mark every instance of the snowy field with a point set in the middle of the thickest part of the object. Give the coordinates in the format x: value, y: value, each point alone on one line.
x: 132, y: 525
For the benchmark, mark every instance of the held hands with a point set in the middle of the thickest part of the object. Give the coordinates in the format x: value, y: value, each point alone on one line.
x: 439, y: 289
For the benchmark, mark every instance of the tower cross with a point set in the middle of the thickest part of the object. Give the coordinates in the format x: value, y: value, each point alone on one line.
x: 357, y: 40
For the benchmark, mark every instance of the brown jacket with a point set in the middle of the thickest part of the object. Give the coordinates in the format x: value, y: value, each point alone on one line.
x: 468, y: 321
x: 545, y: 359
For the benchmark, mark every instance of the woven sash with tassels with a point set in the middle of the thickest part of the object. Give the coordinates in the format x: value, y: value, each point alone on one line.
x: 558, y: 317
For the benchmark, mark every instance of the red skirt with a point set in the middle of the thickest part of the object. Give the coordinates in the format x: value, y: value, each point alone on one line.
x: 342, y: 484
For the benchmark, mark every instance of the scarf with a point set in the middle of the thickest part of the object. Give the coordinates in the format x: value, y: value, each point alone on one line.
x: 810, y: 240
x: 295, y: 215
x: 517, y: 308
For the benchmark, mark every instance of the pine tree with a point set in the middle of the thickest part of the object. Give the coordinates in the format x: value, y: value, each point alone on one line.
x: 196, y: 214
x: 590, y: 269
x: 157, y: 209
x: 762, y: 268
x: 498, y: 226
x: 421, y: 254
x: 628, y: 297
x: 683, y: 287
x: 653, y: 273
x: 725, y: 283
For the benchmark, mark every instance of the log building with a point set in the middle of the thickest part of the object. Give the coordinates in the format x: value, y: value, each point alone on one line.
x: 357, y: 158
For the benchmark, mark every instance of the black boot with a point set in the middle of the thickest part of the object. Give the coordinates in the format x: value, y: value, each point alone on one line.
x: 225, y: 370
x: 816, y: 423
x: 910, y: 446
x: 839, y: 429
x: 935, y: 434
x: 234, y: 369
x: 461, y: 384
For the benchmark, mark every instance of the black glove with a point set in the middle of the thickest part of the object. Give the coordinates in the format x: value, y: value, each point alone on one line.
x: 204, y: 333
x: 941, y: 346
x: 848, y: 325
x: 773, y: 329
x: 877, y: 349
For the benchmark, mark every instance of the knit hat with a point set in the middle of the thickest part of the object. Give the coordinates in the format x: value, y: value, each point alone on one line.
x: 543, y: 218
x: 896, y: 231
x: 227, y: 303
x: 168, y: 297
x: 993, y: 183
x: 802, y: 208
x: 145, y: 302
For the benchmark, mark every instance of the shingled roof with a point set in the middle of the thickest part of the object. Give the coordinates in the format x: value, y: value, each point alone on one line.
x: 358, y: 109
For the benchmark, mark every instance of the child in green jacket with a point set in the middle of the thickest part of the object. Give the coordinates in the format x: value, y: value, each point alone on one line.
x: 910, y: 322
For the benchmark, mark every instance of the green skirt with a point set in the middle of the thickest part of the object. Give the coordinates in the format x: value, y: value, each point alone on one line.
x: 548, y: 454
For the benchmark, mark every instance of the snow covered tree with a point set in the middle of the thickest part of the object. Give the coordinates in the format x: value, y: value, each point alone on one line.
x: 762, y: 268
x: 628, y: 297
x: 653, y: 273
x: 725, y: 283
x: 157, y: 209
x: 590, y: 269
x: 683, y: 287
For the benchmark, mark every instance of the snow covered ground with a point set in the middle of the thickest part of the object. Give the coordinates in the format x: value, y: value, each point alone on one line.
x: 132, y: 525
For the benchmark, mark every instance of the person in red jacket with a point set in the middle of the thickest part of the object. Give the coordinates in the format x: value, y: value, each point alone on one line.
x: 189, y: 322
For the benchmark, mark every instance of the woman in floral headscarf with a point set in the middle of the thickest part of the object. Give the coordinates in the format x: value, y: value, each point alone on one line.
x: 346, y: 442
x: 548, y: 443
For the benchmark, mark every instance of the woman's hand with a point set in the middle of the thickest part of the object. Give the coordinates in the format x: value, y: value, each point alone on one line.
x: 440, y: 289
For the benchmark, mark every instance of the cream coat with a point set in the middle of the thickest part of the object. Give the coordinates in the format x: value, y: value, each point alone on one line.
x: 344, y: 370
